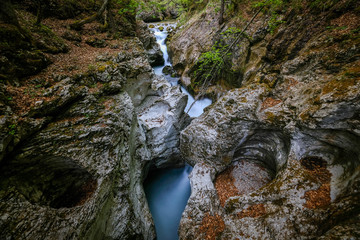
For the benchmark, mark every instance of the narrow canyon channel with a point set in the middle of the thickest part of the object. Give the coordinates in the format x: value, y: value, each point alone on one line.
x: 168, y: 190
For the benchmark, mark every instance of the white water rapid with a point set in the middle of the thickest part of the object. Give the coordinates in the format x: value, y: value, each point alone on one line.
x: 198, y: 108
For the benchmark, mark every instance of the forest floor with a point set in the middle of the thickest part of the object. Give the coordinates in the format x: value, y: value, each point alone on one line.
x: 84, y: 48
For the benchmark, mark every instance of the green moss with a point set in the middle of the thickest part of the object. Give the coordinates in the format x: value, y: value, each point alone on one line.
x: 47, y: 40
x: 271, y: 117
x: 231, y: 205
x: 339, y: 87
x: 11, y: 39
x: 101, y: 68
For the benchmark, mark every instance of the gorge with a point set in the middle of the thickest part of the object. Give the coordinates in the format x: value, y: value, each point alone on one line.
x: 91, y: 127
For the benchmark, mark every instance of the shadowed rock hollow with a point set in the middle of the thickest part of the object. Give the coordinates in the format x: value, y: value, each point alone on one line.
x: 91, y: 143
x: 278, y: 156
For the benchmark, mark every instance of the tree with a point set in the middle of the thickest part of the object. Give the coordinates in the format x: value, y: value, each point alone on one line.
x: 222, y: 9
x: 8, y: 15
x: 98, y: 14
x: 40, y: 11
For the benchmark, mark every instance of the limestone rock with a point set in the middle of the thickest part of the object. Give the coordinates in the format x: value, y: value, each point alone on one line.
x: 313, y: 178
x: 75, y: 164
x: 297, y: 116
x: 162, y: 120
x: 153, y: 51
x: 187, y: 45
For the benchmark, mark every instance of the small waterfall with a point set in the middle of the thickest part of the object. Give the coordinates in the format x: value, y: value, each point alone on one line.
x: 198, y: 108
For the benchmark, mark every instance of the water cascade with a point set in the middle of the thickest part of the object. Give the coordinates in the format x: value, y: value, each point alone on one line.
x: 168, y: 190
x: 197, y: 108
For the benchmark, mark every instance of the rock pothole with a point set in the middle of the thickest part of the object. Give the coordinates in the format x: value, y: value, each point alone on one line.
x: 255, y: 163
x: 240, y: 178
x: 53, y: 181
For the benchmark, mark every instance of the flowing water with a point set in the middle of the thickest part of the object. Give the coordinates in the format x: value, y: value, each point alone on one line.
x: 197, y: 108
x: 168, y: 190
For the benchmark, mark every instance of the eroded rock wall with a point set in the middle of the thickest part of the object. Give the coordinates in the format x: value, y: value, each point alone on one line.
x: 76, y: 172
x: 294, y: 113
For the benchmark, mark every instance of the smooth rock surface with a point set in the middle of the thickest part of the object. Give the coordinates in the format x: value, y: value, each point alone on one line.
x: 296, y: 115
x: 101, y: 140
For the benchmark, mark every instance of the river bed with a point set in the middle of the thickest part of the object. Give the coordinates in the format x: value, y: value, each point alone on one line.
x: 168, y: 190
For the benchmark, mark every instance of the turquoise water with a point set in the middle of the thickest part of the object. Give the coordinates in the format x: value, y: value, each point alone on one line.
x: 167, y: 192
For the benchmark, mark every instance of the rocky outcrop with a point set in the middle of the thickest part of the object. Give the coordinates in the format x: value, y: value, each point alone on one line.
x: 186, y: 46
x: 162, y: 120
x: 291, y: 130
x: 153, y: 50
x: 155, y: 15
x: 316, y: 170
x: 76, y: 172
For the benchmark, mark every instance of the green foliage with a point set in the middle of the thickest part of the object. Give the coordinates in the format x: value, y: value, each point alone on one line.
x: 12, y: 129
x: 322, y: 5
x: 210, y: 63
x: 232, y: 33
x: 91, y: 68
x: 129, y: 7
x: 271, y: 6
x: 213, y: 63
x: 274, y: 22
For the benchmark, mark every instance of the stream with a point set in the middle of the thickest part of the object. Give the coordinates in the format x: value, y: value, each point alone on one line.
x: 198, y: 108
x: 168, y: 190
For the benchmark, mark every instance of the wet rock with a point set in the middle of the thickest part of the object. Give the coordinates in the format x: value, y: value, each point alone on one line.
x: 153, y: 14
x: 293, y: 119
x: 169, y: 70
x: 150, y: 16
x: 153, y: 51
x: 87, y: 156
x: 162, y: 121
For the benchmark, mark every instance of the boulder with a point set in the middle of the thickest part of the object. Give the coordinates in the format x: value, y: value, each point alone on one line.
x: 169, y: 70
x: 162, y: 120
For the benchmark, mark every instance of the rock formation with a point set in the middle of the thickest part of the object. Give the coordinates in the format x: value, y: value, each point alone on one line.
x: 153, y: 51
x: 277, y: 156
x: 75, y: 165
x: 291, y: 125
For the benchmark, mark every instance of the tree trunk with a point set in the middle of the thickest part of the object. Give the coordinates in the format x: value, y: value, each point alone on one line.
x: 78, y: 24
x: 40, y: 13
x: 8, y: 15
x: 222, y: 9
